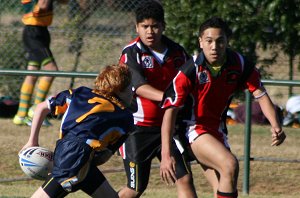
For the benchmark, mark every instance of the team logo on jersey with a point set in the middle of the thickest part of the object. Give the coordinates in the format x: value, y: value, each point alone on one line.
x: 147, y: 61
x: 132, y: 174
x: 132, y: 164
x: 203, y: 77
x: 232, y: 76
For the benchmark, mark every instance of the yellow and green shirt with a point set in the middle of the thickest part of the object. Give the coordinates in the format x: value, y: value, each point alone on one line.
x: 34, y: 15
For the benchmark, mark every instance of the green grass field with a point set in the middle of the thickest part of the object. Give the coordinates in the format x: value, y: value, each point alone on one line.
x: 267, y: 179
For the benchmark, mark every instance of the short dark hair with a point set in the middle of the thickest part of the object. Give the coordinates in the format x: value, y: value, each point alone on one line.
x: 149, y: 9
x: 215, y: 22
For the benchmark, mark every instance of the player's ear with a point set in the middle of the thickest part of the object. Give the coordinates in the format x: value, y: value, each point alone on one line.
x: 200, y: 42
x: 136, y: 28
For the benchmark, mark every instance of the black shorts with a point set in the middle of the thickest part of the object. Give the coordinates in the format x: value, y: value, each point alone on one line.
x: 72, y: 168
x: 138, y: 151
x: 37, y: 45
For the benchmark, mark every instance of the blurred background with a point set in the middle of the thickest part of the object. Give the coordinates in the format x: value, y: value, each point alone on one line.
x: 88, y: 34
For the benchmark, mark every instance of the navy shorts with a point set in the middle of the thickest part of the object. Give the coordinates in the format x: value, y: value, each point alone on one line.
x: 73, y: 168
x: 37, y: 45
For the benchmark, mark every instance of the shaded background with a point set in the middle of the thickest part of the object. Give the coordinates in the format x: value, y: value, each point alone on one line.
x: 88, y: 34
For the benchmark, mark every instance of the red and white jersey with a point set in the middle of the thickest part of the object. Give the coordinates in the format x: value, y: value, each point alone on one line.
x: 147, y: 69
x: 211, y: 95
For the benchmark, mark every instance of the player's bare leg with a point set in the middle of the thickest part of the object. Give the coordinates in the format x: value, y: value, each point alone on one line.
x: 50, y: 67
x: 185, y: 187
x: 214, y: 154
x: 128, y: 193
x: 40, y: 193
x: 45, y: 83
x: 212, y: 177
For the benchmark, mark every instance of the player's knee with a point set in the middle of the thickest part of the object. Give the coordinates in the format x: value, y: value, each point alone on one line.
x: 185, y: 180
x: 129, y: 193
x: 138, y: 191
x: 230, y: 167
x: 185, y: 187
x: 51, y: 66
x: 31, y: 79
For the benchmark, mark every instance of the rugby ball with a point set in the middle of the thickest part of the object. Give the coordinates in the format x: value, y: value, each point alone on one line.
x: 36, y: 162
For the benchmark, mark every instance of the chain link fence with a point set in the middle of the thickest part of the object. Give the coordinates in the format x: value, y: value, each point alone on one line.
x: 85, y: 35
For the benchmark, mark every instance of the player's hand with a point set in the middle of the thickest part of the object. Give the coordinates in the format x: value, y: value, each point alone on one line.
x: 167, y: 170
x: 278, y: 137
x: 27, y: 145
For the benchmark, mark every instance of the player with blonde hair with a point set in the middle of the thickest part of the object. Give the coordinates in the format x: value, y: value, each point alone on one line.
x: 95, y: 123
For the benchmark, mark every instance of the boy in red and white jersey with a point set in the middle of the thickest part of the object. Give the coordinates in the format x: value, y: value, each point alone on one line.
x: 153, y: 60
x: 211, y: 79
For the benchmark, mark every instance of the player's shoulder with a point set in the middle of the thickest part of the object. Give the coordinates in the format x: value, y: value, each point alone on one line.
x: 193, y: 62
x: 235, y: 57
x: 82, y: 90
x: 171, y: 43
x: 132, y: 45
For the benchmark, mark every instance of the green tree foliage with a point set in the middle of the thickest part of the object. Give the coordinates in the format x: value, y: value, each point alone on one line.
x: 283, y: 22
x: 265, y: 22
x: 184, y: 17
x: 182, y: 23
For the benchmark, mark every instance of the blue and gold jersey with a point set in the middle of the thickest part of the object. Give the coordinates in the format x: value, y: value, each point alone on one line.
x: 99, y: 121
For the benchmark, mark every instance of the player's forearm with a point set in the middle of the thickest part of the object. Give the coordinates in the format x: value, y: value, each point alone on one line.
x: 167, y: 129
x: 267, y: 107
x: 149, y: 92
x: 44, y: 4
x: 40, y: 114
x: 268, y: 110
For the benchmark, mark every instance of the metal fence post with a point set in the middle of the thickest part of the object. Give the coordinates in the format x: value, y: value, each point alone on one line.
x: 247, y: 144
